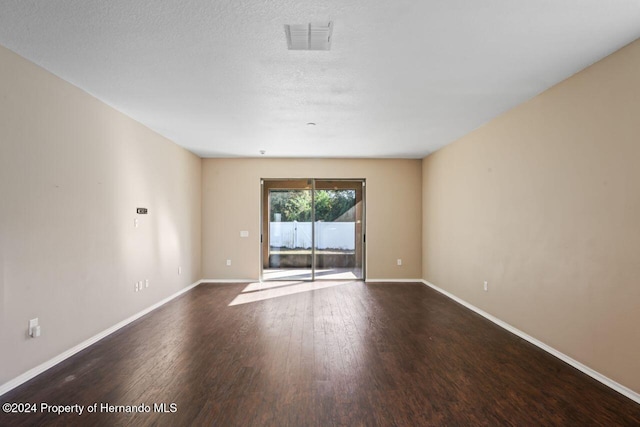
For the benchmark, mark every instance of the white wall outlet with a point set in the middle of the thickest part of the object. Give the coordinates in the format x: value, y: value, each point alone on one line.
x: 228, y: 262
x: 135, y: 223
x: 244, y: 233
x: 486, y: 286
x: 146, y: 283
x: 399, y: 261
x: 34, y: 328
x: 179, y: 271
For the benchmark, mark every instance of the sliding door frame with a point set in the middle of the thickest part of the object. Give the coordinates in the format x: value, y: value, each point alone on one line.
x: 265, y: 221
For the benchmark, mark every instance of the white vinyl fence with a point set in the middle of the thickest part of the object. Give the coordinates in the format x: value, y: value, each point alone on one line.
x: 329, y: 235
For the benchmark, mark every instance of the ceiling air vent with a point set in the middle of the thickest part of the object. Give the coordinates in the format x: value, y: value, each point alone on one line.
x: 309, y: 36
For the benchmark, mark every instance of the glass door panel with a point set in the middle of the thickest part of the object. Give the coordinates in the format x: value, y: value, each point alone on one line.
x: 338, y: 214
x: 288, y: 254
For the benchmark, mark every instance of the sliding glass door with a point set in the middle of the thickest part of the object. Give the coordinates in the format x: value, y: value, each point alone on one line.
x: 312, y: 229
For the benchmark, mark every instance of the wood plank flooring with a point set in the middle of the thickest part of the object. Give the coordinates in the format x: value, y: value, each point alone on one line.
x: 350, y: 354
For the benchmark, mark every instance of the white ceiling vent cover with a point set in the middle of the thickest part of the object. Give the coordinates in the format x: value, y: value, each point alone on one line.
x: 309, y: 36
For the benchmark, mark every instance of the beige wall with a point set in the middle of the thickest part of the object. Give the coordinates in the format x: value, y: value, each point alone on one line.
x: 544, y: 203
x: 72, y: 172
x: 231, y: 203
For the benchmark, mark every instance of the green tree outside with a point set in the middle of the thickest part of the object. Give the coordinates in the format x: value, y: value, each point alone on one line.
x: 296, y: 205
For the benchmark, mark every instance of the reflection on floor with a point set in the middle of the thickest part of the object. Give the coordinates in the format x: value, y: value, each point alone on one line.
x: 305, y: 274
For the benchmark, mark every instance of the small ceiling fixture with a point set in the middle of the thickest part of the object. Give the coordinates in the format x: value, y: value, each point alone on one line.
x: 313, y: 36
x: 311, y: 124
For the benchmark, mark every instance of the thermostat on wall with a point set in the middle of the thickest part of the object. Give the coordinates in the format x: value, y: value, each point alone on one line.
x: 141, y: 211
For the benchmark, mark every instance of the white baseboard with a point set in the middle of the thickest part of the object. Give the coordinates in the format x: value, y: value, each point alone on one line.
x: 587, y: 370
x: 10, y: 385
x: 394, y: 281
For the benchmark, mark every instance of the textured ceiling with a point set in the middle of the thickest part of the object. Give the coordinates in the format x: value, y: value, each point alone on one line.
x: 402, y: 78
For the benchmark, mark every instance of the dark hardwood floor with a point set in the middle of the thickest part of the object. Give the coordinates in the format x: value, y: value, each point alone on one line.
x: 353, y: 354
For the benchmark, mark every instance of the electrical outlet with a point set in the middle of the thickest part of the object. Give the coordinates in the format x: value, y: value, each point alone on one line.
x: 146, y: 283
x: 486, y: 286
x: 228, y: 262
x: 399, y: 261
x: 179, y: 271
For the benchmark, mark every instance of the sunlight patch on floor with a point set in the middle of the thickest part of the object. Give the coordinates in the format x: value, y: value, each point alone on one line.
x: 263, y: 291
